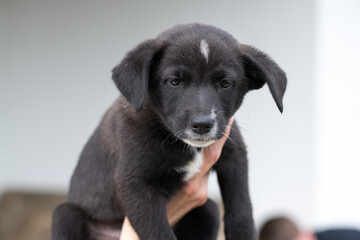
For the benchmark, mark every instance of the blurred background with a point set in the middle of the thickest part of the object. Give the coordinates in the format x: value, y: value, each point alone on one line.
x: 55, y: 84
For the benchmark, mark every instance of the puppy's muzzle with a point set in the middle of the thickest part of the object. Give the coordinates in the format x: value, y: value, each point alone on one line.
x: 202, y: 131
x: 202, y: 124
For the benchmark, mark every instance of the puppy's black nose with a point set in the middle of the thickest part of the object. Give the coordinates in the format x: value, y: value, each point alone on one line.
x: 202, y: 124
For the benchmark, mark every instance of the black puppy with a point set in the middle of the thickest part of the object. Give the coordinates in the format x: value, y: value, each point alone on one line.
x: 179, y: 91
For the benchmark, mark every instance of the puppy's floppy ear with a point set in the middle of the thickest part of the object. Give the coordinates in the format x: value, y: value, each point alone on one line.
x: 261, y: 69
x: 131, y: 76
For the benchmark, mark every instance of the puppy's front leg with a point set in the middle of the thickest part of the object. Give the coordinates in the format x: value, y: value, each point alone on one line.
x: 232, y: 171
x: 146, y: 210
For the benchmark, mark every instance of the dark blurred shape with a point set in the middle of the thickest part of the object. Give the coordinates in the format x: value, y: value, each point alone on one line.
x: 338, y: 234
x: 283, y: 228
x: 279, y: 228
x: 27, y: 216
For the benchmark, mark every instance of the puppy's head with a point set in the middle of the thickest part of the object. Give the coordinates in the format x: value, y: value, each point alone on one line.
x: 196, y: 77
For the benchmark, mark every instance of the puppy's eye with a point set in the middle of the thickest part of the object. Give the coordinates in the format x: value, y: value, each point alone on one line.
x: 174, y: 82
x: 225, y: 84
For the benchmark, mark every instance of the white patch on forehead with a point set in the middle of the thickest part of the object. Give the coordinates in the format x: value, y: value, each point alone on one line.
x: 213, y: 114
x: 193, y: 167
x: 204, y: 49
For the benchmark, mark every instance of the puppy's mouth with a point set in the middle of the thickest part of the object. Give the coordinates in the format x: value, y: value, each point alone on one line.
x: 200, y: 142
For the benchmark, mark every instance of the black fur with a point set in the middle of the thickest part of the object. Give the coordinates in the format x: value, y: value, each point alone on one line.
x: 130, y: 166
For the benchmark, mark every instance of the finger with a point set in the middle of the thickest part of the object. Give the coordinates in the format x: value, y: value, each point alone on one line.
x: 218, y: 145
x: 227, y: 130
x: 211, y: 155
x: 203, y: 189
x: 204, y: 181
x: 213, y: 152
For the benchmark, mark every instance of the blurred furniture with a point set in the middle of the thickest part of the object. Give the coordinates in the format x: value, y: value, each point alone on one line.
x: 27, y: 215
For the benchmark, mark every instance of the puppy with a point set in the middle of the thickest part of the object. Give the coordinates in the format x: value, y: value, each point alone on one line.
x: 179, y: 90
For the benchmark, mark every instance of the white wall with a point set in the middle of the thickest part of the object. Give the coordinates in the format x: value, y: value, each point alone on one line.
x: 3, y: 47
x: 337, y: 175
x: 56, y: 86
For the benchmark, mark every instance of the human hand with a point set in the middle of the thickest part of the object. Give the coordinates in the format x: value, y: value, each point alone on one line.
x: 193, y: 194
x: 306, y: 236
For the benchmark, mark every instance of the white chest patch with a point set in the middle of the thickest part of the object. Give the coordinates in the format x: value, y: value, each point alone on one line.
x: 204, y: 49
x: 193, y: 167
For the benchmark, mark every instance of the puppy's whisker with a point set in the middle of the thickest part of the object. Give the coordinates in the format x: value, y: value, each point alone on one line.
x: 224, y: 134
x: 176, y: 137
x: 165, y: 139
x: 240, y: 127
x: 245, y: 124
